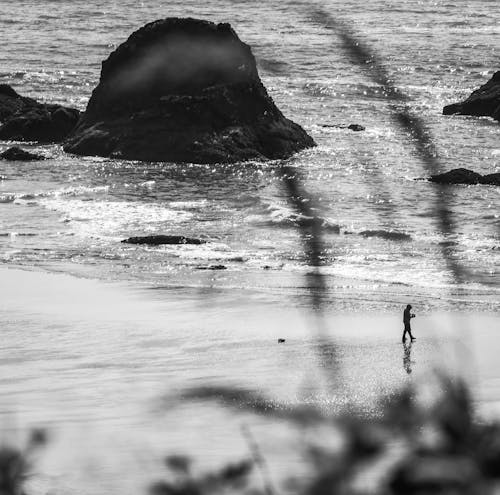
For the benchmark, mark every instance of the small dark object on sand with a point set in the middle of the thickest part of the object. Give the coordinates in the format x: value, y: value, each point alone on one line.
x: 281, y: 341
x: 356, y: 127
x: 156, y: 240
x: 18, y: 154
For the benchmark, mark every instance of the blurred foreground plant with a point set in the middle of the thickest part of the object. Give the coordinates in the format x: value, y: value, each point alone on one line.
x: 410, y: 448
x: 15, y: 464
x: 229, y: 479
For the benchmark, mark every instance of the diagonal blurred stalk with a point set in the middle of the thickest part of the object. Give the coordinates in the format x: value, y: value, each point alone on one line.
x: 303, y: 204
x: 409, y: 123
x: 259, y: 460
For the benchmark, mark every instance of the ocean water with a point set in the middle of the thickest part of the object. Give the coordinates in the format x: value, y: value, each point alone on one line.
x: 69, y: 213
x: 92, y: 351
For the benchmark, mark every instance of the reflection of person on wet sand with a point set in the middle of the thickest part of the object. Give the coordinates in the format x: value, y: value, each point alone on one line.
x: 407, y: 316
x: 407, y: 362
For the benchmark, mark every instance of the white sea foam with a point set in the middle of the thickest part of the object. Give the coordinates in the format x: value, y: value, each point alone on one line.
x: 115, y: 216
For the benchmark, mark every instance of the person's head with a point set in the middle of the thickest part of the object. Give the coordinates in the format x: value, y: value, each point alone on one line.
x: 408, y: 306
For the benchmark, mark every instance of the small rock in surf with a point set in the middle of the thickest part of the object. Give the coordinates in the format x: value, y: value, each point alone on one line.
x: 465, y: 176
x: 156, y: 240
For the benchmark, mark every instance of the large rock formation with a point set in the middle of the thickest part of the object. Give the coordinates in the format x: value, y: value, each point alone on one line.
x: 184, y: 90
x: 25, y: 119
x: 485, y: 101
x: 465, y: 176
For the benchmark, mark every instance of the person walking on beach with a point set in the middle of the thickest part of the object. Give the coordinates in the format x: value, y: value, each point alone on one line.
x: 407, y: 316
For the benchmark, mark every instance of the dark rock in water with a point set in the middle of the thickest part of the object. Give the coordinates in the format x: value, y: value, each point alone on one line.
x: 352, y: 127
x: 465, y: 176
x: 485, y: 101
x: 11, y: 102
x: 491, y: 179
x: 457, y: 176
x: 184, y: 90
x: 386, y: 234
x: 156, y: 240
x: 18, y: 154
x: 281, y: 341
x: 356, y: 127
x: 212, y: 267
x: 25, y: 119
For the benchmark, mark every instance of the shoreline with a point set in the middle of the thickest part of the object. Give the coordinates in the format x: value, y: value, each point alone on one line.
x: 289, y: 289
x: 100, y: 364
x: 47, y: 298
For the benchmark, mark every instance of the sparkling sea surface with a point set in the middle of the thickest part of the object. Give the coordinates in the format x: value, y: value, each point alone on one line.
x: 69, y: 213
x: 98, y: 337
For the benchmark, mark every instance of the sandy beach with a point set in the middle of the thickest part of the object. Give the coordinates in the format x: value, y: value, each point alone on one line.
x: 101, y: 366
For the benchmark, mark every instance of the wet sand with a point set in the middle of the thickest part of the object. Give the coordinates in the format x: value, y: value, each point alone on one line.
x: 101, y: 365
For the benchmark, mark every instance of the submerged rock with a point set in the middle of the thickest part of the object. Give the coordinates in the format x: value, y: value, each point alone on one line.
x: 485, y: 101
x: 156, y: 240
x: 351, y: 127
x: 386, y: 234
x: 17, y: 154
x: 184, y: 90
x: 25, y: 119
x: 212, y: 267
x: 356, y: 127
x: 465, y: 176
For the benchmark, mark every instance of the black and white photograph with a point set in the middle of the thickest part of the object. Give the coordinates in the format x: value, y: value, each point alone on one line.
x: 249, y: 248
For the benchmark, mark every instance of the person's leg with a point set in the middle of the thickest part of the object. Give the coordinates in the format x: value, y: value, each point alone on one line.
x: 404, y: 336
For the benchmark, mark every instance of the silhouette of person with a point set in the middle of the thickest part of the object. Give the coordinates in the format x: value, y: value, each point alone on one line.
x: 407, y: 362
x: 407, y: 316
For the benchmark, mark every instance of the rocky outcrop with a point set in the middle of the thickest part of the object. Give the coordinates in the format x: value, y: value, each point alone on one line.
x: 465, y: 176
x: 184, y: 90
x: 25, y: 119
x: 18, y: 154
x: 156, y: 240
x: 485, y: 101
